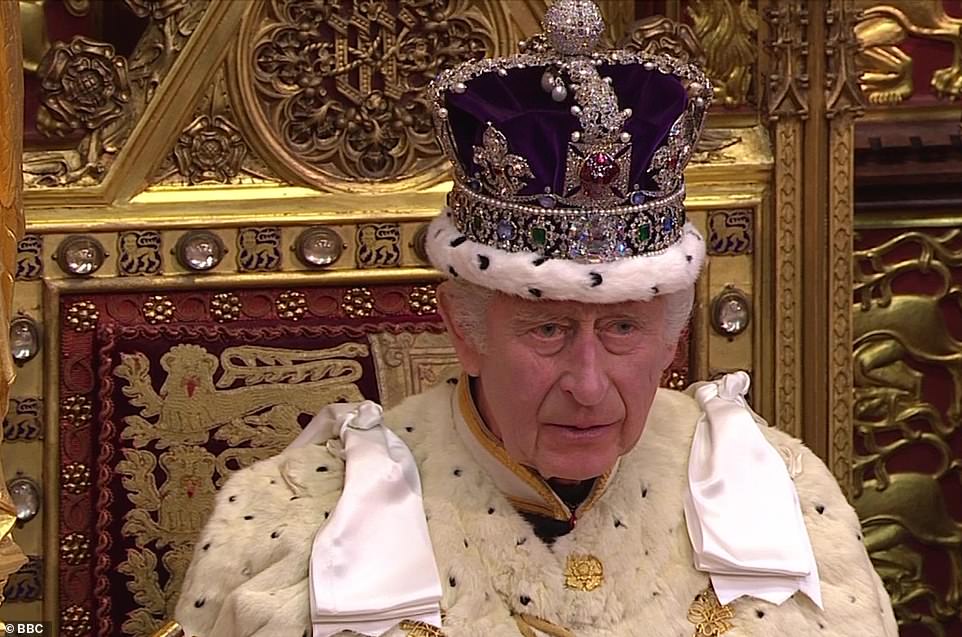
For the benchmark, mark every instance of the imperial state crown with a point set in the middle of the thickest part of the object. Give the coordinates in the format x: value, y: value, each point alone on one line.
x: 568, y: 166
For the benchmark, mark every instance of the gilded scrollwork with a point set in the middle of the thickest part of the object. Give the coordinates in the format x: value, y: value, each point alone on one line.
x: 88, y: 89
x: 908, y: 411
x: 886, y: 68
x: 172, y: 22
x: 335, y: 90
x: 727, y: 32
x: 722, y: 41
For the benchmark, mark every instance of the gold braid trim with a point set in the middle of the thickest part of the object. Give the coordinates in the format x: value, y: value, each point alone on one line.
x: 170, y: 629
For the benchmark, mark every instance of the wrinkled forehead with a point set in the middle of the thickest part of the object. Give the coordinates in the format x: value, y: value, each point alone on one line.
x: 517, y: 308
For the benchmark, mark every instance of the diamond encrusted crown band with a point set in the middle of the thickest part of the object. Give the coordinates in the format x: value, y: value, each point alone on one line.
x: 581, y: 235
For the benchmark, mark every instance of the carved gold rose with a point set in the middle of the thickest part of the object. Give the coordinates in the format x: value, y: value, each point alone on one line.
x: 84, y: 86
x: 210, y: 149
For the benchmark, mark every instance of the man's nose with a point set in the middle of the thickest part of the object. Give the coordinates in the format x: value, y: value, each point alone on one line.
x: 586, y: 379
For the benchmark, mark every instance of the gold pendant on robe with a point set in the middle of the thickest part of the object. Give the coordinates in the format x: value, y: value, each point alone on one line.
x: 584, y: 573
x: 420, y: 629
x: 710, y: 618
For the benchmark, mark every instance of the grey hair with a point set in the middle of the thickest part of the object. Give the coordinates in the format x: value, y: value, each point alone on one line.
x: 469, y: 307
x: 678, y: 312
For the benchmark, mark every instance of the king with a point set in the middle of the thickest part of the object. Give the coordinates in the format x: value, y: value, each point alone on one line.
x: 551, y: 489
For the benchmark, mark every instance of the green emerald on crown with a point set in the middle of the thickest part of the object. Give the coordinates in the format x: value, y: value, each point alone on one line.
x: 539, y: 235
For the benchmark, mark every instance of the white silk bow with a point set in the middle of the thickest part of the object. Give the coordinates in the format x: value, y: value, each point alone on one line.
x: 742, y: 510
x: 372, y: 564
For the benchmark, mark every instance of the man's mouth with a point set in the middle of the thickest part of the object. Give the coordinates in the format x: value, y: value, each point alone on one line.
x: 582, y: 431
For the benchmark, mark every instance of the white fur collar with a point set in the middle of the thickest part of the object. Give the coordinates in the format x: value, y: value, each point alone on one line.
x: 248, y: 576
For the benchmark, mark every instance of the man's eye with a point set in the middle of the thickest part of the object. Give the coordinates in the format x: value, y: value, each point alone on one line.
x: 623, y: 328
x: 548, y: 330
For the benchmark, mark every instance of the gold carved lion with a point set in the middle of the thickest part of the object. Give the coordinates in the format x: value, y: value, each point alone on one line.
x: 886, y: 70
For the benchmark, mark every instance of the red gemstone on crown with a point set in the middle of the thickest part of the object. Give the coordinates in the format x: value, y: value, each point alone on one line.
x: 598, y: 171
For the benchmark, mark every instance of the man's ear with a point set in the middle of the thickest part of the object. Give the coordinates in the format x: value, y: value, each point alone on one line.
x: 467, y: 350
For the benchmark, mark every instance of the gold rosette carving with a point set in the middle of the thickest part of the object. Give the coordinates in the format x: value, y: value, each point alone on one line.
x: 334, y: 91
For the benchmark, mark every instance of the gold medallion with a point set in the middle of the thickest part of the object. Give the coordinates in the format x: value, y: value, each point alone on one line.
x: 584, y: 572
x: 420, y: 629
x: 709, y: 616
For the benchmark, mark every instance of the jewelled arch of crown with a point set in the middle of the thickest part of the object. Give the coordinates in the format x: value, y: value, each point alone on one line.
x: 599, y: 216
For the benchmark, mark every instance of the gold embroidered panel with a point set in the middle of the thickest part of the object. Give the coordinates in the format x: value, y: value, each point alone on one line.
x: 160, y: 402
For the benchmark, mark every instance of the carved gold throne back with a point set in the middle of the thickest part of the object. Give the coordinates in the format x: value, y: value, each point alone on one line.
x: 226, y: 206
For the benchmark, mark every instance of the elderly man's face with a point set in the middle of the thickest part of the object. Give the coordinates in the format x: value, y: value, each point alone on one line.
x: 567, y: 386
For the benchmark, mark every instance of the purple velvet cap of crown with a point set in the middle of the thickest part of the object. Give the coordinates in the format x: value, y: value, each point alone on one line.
x: 539, y: 128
